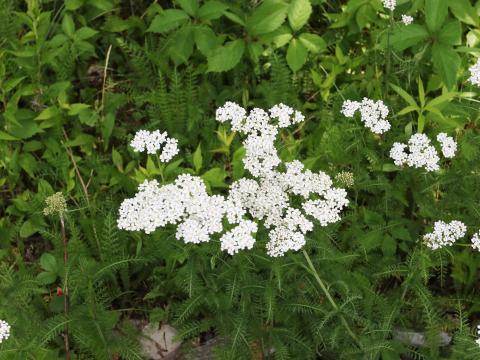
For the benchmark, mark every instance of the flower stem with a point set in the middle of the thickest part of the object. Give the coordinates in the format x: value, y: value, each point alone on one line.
x: 330, y: 298
x: 65, y: 290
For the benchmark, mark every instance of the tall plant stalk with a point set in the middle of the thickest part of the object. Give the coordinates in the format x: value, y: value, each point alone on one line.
x: 330, y: 298
x: 65, y: 287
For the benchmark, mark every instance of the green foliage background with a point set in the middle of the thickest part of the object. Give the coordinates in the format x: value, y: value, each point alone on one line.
x: 79, y: 77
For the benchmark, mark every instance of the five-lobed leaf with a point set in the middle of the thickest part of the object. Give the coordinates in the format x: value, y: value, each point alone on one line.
x: 299, y: 12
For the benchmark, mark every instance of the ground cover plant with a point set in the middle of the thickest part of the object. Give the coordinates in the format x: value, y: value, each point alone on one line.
x: 297, y: 179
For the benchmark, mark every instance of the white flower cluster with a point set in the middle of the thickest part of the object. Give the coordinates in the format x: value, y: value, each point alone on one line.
x: 407, y: 19
x: 449, y: 146
x: 154, y: 141
x: 478, y: 334
x: 372, y: 113
x: 265, y: 199
x: 445, y: 234
x: 4, y: 331
x: 475, y: 73
x: 421, y: 153
x: 476, y: 241
x: 390, y: 4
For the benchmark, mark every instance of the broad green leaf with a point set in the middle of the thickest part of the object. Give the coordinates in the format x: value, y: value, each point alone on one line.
x: 181, y: 45
x: 75, y: 109
x: 407, y: 36
x: 446, y: 61
x: 28, y: 163
x: 190, y: 6
x: 211, y: 10
x: 389, y: 245
x: 435, y: 13
x: 197, y: 158
x: 298, y: 13
x: 117, y: 160
x: 313, y: 42
x: 168, y: 20
x: 464, y: 11
x: 46, y: 277
x: 296, y: 55
x: 85, y: 33
x: 451, y: 33
x: 48, y: 113
x: 215, y: 177
x: 234, y: 17
x: 205, y: 39
x: 80, y: 140
x: 28, y: 228
x: 281, y: 36
x: 226, y: 57
x: 440, y: 100
x: 405, y: 96
x: 7, y: 137
x: 68, y: 26
x: 267, y: 17
x: 73, y: 4
x: 48, y: 262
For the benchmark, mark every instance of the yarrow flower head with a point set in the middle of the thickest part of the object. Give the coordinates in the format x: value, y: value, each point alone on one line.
x: 420, y: 153
x: 152, y: 142
x: 390, y: 4
x: 4, y: 331
x: 407, y: 19
x: 476, y: 241
x: 449, y: 146
x: 478, y: 334
x: 372, y: 113
x: 345, y: 178
x: 475, y: 73
x: 265, y: 200
x: 445, y: 234
x: 55, y: 204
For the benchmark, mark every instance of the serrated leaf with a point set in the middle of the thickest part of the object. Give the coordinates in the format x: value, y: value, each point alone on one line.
x: 407, y: 36
x: 168, y: 20
x: 269, y: 16
x: 189, y: 6
x: 313, y: 42
x: 299, y: 12
x: 435, y: 13
x: 212, y: 10
x: 446, y: 61
x: 226, y: 57
x: 296, y: 55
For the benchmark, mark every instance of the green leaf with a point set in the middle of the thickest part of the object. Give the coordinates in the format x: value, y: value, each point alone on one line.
x: 464, y: 11
x: 168, y: 20
x: 298, y: 13
x: 451, y: 33
x: 48, y: 262
x: 421, y: 123
x: 75, y: 109
x: 48, y: 113
x: 389, y: 245
x: 198, y: 159
x: 190, y: 6
x: 296, y: 55
x: 446, y: 61
x: 85, y: 33
x: 281, y: 36
x: 46, y: 277
x: 107, y: 128
x: 212, y: 10
x: 407, y: 36
x: 7, y: 137
x: 215, y: 177
x: 405, y: 96
x: 269, y: 16
x: 27, y: 229
x: 181, y: 47
x: 205, y: 39
x: 435, y: 13
x: 68, y: 26
x: 440, y: 100
x: 226, y: 57
x: 73, y: 4
x: 28, y: 163
x: 313, y: 42
x: 117, y: 160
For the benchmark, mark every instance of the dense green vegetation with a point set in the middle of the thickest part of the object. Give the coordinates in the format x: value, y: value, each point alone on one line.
x: 78, y: 78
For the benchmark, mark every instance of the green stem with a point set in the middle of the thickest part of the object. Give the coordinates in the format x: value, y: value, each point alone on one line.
x: 330, y: 298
